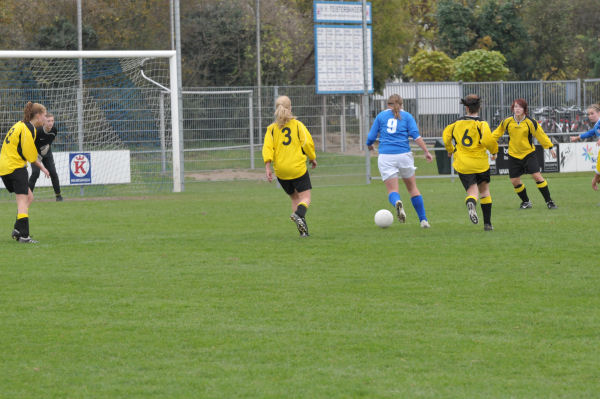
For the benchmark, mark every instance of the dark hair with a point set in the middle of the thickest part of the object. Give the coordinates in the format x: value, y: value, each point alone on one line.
x: 31, y: 110
x: 395, y: 101
x: 472, y: 102
x: 522, y: 103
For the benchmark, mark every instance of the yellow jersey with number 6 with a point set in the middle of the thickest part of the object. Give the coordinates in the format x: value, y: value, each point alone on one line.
x: 287, y: 148
x: 18, y: 148
x: 469, y: 138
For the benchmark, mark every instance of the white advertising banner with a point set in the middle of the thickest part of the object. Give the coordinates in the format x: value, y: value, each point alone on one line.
x: 578, y: 157
x: 91, y: 167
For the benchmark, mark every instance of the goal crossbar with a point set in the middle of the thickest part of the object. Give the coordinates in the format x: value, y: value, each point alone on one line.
x: 177, y: 145
x: 87, y: 54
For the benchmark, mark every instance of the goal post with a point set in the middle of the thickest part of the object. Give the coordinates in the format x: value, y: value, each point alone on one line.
x: 59, y: 77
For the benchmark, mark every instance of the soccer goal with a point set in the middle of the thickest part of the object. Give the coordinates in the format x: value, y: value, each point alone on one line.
x: 116, y: 113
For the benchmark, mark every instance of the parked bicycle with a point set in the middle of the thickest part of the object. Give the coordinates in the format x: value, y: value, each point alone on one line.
x: 562, y: 120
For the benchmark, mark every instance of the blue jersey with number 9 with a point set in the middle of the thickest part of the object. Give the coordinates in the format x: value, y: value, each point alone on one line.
x: 393, y: 133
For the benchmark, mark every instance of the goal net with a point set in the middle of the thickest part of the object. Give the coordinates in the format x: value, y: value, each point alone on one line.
x: 112, y: 109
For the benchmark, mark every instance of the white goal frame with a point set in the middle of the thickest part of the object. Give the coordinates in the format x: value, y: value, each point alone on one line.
x: 174, y: 90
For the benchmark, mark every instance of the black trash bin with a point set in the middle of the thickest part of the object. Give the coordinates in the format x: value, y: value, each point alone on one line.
x: 441, y: 158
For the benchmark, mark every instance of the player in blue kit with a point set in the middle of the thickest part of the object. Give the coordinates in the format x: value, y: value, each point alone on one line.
x: 593, y: 113
x: 393, y: 127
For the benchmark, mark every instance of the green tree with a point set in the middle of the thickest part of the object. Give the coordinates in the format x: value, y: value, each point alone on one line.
x: 5, y: 28
x: 551, y: 36
x: 457, y: 27
x: 585, y: 55
x: 422, y: 23
x: 215, y: 41
x: 129, y: 25
x: 390, y: 33
x: 501, y: 28
x: 287, y: 44
x: 429, y: 66
x: 61, y: 34
x: 480, y: 66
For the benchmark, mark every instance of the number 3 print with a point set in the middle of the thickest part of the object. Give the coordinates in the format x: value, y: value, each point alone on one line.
x: 288, y: 135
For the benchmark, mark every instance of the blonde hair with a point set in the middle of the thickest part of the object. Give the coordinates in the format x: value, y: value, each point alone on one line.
x: 395, y: 102
x: 595, y: 107
x: 31, y: 110
x: 283, y: 110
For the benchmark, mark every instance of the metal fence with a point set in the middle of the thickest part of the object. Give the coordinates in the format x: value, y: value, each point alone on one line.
x: 218, y: 140
x: 435, y: 105
x: 224, y: 127
x: 591, y: 91
x: 334, y: 120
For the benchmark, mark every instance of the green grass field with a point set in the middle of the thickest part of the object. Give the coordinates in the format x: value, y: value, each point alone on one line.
x: 212, y: 294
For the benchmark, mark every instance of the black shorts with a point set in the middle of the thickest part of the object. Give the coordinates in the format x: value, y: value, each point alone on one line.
x: 527, y: 165
x: 298, y: 184
x: 469, y: 179
x: 16, y: 182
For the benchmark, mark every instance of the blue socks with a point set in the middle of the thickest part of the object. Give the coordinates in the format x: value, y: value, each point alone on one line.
x: 393, y: 198
x: 419, y: 206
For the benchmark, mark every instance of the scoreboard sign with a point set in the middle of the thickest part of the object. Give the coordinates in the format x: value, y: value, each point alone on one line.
x: 339, y: 58
x: 340, y: 12
x: 339, y: 53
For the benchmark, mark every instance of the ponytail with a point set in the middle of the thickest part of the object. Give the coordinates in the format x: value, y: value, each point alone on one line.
x: 283, y: 111
x: 31, y: 110
x: 395, y: 103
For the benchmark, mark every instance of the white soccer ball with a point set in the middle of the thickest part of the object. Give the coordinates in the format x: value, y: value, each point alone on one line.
x: 384, y: 218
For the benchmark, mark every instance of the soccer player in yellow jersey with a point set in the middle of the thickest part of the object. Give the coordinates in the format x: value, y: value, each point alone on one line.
x: 287, y: 144
x: 19, y: 148
x: 521, y: 152
x: 469, y: 139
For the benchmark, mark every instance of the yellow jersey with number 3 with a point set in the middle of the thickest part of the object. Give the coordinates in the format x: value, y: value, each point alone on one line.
x: 287, y: 148
x: 469, y: 138
x: 18, y: 148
